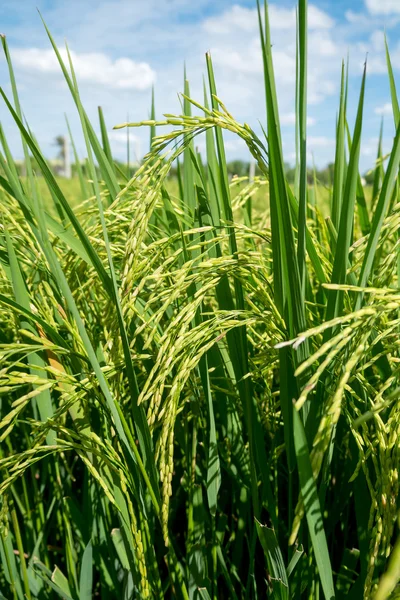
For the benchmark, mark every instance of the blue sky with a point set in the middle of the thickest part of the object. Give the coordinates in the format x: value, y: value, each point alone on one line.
x: 122, y: 47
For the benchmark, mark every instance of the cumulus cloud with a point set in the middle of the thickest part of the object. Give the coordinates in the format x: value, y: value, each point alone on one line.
x: 318, y: 19
x: 119, y: 136
x: 290, y: 119
x: 245, y: 19
x: 319, y: 141
x: 383, y: 7
x: 385, y: 109
x: 237, y: 17
x: 376, y: 62
x: 237, y: 49
x: 118, y: 140
x: 282, y: 18
x: 369, y: 146
x: 94, y: 67
x: 356, y: 18
x: 320, y: 42
x: 236, y: 60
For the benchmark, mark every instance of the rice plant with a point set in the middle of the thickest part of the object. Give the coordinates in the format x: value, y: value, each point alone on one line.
x: 200, y: 400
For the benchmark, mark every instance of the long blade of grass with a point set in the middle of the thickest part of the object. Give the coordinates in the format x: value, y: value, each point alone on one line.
x: 104, y: 137
x: 285, y: 263
x: 360, y: 198
x: 276, y: 566
x: 78, y: 166
x: 337, y: 196
x: 393, y: 92
x: 312, y: 506
x: 189, y: 196
x: 335, y: 298
x: 382, y: 205
x: 378, y: 171
x: 302, y: 118
x: 86, y: 575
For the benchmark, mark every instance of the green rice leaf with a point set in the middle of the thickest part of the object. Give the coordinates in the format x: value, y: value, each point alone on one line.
x: 312, y: 507
x: 86, y: 574
x: 276, y: 566
x: 335, y: 298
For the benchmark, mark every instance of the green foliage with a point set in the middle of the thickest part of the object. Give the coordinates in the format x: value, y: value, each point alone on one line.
x: 199, y: 393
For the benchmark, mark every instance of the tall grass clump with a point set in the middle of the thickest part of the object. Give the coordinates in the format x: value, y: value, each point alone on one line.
x: 200, y: 400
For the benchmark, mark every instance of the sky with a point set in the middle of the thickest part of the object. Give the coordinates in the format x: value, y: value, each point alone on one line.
x: 121, y: 48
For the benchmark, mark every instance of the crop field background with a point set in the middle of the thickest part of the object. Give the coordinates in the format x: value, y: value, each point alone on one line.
x: 199, y: 377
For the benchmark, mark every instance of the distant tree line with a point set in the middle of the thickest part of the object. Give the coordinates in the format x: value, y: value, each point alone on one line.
x: 239, y: 168
x: 324, y: 176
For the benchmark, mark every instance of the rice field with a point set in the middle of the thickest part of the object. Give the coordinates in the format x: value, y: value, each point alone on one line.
x: 199, y: 378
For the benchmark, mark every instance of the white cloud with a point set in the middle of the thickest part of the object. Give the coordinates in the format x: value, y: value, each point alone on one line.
x: 364, y: 22
x: 385, y: 109
x: 283, y: 18
x: 245, y: 19
x: 284, y: 66
x: 319, y: 141
x: 95, y: 67
x: 237, y: 17
x: 378, y: 41
x: 318, y: 19
x: 321, y: 42
x: 119, y: 136
x: 319, y: 87
x: 376, y: 63
x: 383, y: 7
x: 353, y: 17
x: 250, y: 62
x: 369, y: 146
x: 237, y: 51
x: 118, y: 140
x: 290, y: 119
x: 235, y: 144
x: 373, y: 50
